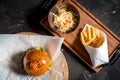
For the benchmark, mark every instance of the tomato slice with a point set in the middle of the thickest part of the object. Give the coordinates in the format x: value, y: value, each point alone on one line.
x: 33, y: 65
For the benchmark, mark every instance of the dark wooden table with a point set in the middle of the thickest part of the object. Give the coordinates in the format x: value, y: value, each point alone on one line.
x: 24, y: 16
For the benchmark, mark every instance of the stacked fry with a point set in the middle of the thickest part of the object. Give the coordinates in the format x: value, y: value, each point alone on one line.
x: 90, y: 36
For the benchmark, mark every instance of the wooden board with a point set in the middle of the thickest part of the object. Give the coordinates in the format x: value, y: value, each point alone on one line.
x: 65, y: 73
x: 72, y: 40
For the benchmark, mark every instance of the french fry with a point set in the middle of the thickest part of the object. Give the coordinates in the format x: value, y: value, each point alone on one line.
x: 91, y: 36
x: 82, y: 38
x: 94, y: 43
x: 88, y: 43
x: 100, y: 41
x: 85, y: 36
x: 93, y: 32
x: 97, y: 33
x: 89, y: 33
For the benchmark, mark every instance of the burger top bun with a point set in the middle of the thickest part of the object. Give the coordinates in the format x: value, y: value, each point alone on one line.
x: 36, y: 62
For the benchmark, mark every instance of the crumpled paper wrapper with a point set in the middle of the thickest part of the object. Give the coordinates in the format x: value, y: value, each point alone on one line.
x: 98, y: 56
x: 13, y: 45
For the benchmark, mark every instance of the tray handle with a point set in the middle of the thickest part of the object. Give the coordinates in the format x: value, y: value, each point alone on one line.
x: 116, y: 57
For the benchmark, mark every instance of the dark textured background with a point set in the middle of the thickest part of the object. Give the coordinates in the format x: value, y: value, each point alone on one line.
x: 107, y: 11
x: 24, y: 15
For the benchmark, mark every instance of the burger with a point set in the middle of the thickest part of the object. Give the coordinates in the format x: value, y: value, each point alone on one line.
x: 36, y: 61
